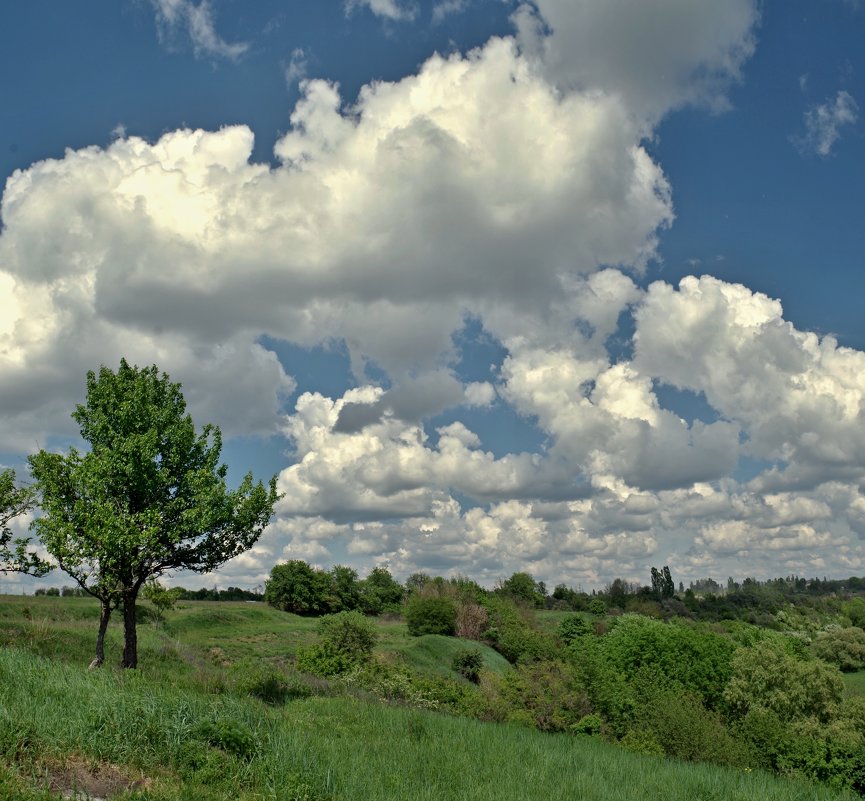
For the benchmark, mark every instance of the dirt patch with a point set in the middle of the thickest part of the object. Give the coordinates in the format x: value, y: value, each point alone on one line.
x: 81, y: 778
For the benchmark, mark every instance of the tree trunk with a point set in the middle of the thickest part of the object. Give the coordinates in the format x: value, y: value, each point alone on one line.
x: 130, y: 635
x: 104, y: 616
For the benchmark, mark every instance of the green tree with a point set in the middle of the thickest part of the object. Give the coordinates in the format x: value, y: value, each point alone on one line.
x: 296, y: 587
x: 431, y: 615
x: 380, y: 592
x: 15, y: 501
x: 522, y: 587
x: 344, y: 588
x: 767, y: 676
x: 149, y: 496
x: 662, y: 583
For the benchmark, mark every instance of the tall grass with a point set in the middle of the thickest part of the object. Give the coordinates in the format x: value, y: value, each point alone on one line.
x: 190, y: 745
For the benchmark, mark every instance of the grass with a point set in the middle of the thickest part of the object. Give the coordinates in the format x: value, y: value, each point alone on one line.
x: 176, y: 730
x: 855, y: 683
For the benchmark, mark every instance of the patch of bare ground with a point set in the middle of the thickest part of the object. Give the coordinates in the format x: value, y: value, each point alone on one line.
x: 83, y: 779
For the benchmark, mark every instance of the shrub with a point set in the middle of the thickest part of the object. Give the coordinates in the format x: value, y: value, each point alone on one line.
x: 843, y: 648
x: 468, y: 663
x: 547, y: 695
x: 346, y: 641
x: 229, y: 736
x: 430, y: 615
x: 769, y: 677
x: 572, y: 627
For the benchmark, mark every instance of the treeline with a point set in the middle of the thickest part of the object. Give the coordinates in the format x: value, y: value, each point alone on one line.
x: 180, y: 593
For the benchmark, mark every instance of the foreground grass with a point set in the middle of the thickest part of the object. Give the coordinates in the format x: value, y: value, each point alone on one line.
x: 179, y: 728
x: 164, y: 743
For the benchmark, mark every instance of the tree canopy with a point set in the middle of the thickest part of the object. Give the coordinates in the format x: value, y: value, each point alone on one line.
x: 14, y: 501
x: 149, y: 496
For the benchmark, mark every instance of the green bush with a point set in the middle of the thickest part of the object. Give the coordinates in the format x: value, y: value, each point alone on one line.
x: 346, y: 641
x: 698, y: 660
x: 548, y: 695
x: 430, y: 615
x: 843, y: 648
x: 769, y: 677
x: 573, y: 626
x: 230, y: 736
x: 468, y: 663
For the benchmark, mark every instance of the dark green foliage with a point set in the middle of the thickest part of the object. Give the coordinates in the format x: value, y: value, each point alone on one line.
x: 149, y: 496
x: 345, y: 592
x: 572, y: 627
x: 678, y: 721
x: 430, y: 615
x: 522, y: 588
x: 597, y: 606
x: 230, y: 736
x: 296, y: 587
x: 547, y: 695
x: 346, y: 640
x: 512, y: 633
x: 380, y: 592
x: 662, y: 583
x: 468, y: 663
x: 855, y: 610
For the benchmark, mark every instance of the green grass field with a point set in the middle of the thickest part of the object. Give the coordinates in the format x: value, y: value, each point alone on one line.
x: 176, y: 730
x: 855, y: 683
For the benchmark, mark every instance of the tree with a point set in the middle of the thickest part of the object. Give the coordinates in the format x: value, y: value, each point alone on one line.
x: 523, y: 588
x: 149, y: 496
x: 662, y: 583
x: 15, y: 501
x: 296, y: 587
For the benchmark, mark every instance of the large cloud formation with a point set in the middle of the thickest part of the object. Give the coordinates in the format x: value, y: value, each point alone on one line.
x: 507, y: 186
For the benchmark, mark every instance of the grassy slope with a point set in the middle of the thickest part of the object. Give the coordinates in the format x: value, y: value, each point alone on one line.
x: 150, y: 724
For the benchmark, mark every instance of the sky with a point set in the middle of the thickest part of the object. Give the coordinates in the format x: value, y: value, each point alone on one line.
x: 570, y: 287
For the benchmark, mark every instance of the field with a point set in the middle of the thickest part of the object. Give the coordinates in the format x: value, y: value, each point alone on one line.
x: 179, y: 728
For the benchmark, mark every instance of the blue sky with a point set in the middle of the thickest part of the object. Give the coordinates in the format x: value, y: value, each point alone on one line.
x: 567, y: 287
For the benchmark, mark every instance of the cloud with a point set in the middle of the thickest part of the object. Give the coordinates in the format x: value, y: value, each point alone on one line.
x: 507, y: 186
x: 387, y: 223
x: 656, y: 56
x: 823, y: 124
x: 297, y: 67
x: 389, y: 9
x: 197, y: 20
x: 445, y: 8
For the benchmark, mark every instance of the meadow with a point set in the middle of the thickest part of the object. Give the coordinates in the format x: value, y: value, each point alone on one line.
x: 186, y: 726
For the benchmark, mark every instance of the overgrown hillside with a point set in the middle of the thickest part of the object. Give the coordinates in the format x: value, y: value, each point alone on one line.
x: 219, y: 710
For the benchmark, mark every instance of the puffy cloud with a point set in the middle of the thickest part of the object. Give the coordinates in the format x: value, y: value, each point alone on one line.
x: 656, y: 55
x: 798, y: 398
x: 172, y: 15
x: 823, y: 124
x: 431, y: 198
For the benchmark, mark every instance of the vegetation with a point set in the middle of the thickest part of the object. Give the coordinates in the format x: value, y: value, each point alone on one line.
x: 149, y: 496
x: 195, y: 723
x: 14, y: 501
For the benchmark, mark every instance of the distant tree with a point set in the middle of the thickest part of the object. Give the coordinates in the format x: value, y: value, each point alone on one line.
x: 431, y: 615
x: 161, y: 597
x: 662, y: 583
x: 15, y: 501
x: 344, y: 589
x: 296, y: 587
x: 380, y: 592
x: 522, y: 587
x: 149, y: 496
